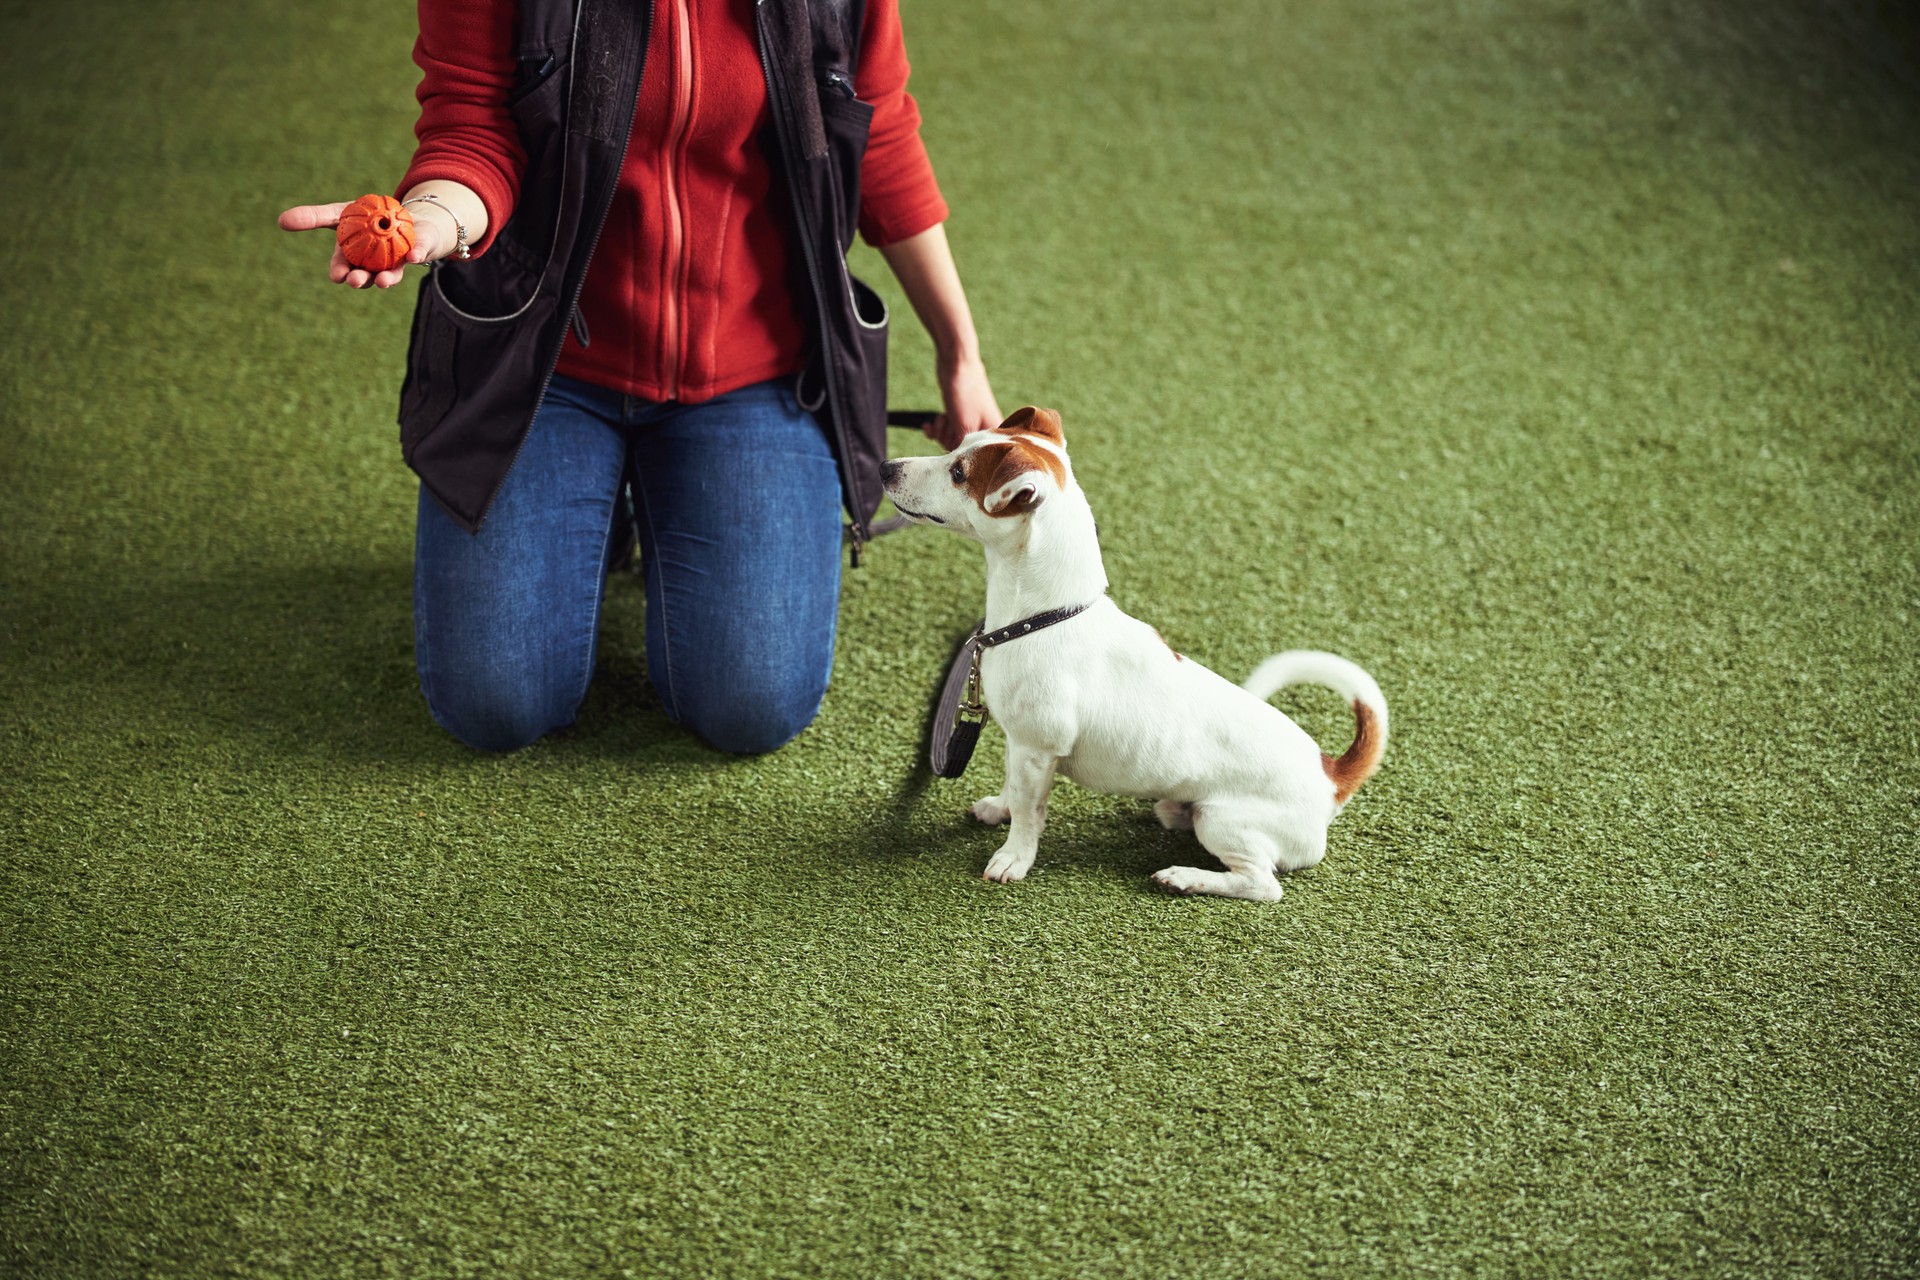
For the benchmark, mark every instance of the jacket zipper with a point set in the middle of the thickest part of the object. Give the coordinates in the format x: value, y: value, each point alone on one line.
x: 776, y: 83
x: 600, y: 225
x: 679, y: 126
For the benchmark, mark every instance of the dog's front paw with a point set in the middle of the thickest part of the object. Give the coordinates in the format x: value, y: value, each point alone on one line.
x: 1008, y: 865
x: 1181, y: 880
x: 990, y: 810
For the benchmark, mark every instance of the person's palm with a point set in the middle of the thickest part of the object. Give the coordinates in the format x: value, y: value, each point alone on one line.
x: 427, y: 236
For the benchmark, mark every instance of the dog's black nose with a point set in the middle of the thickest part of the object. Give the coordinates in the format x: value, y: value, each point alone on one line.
x: 889, y: 471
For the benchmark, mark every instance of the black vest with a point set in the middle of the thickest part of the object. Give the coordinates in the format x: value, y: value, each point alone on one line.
x: 487, y: 333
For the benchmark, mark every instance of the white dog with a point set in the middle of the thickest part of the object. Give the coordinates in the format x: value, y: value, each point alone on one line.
x: 1101, y: 698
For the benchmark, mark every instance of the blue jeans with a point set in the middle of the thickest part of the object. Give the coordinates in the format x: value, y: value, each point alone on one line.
x: 738, y: 503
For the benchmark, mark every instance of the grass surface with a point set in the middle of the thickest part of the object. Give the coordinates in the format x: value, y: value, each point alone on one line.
x: 1560, y: 363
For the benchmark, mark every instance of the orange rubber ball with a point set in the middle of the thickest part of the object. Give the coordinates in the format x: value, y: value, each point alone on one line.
x: 375, y: 233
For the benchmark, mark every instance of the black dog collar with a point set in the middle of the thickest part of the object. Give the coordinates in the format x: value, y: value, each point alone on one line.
x: 1026, y: 626
x: 960, y: 712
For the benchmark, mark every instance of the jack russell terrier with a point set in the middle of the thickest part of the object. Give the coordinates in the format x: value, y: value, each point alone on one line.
x: 1084, y: 690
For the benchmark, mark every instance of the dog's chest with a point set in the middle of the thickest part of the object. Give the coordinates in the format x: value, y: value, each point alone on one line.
x: 1021, y: 681
x: 1109, y: 722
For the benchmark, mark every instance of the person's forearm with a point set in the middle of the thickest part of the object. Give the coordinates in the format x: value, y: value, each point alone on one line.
x: 458, y: 201
x: 924, y: 266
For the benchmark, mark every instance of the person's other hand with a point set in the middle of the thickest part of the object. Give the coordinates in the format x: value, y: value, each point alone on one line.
x: 430, y: 240
x: 970, y: 404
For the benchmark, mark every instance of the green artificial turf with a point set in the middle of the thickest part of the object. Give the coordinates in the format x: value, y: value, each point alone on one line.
x: 1558, y: 362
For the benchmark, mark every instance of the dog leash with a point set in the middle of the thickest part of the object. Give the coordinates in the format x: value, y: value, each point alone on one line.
x: 960, y: 710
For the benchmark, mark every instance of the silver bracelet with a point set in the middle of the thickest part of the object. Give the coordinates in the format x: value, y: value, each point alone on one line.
x: 460, y: 249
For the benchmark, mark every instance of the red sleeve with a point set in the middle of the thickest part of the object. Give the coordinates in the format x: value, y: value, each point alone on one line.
x: 465, y: 54
x: 898, y: 194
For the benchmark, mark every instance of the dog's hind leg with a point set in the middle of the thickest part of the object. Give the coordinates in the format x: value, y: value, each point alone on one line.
x: 1174, y: 815
x: 1302, y: 845
x: 1243, y: 839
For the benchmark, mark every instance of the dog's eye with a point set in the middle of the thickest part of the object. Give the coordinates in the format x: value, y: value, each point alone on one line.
x: 958, y: 472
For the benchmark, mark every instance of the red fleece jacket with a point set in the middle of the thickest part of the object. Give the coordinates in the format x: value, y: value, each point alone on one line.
x: 690, y: 294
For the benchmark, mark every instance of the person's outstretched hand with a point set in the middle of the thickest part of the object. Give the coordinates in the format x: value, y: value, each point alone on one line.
x: 969, y: 401
x: 430, y: 241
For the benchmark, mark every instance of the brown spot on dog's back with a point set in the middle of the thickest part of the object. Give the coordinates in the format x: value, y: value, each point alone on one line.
x: 1360, y: 759
x: 1177, y: 655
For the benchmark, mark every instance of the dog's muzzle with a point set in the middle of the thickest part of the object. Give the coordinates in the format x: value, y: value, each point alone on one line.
x: 890, y: 472
x: 917, y: 515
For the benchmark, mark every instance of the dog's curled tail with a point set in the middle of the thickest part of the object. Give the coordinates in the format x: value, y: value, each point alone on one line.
x: 1303, y: 666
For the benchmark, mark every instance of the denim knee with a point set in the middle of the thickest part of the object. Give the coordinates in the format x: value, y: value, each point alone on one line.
x: 746, y: 722
x: 503, y: 718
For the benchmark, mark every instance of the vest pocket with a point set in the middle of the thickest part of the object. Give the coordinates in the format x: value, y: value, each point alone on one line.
x: 427, y: 392
x: 863, y: 380
x: 538, y: 109
x: 847, y: 121
x: 497, y: 287
x: 475, y: 372
x: 533, y: 69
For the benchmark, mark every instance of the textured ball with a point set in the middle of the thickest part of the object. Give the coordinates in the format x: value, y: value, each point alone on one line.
x: 375, y: 233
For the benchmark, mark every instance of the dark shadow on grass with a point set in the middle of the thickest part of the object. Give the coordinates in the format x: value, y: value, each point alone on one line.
x: 929, y: 817
x: 1813, y: 76
x: 287, y: 660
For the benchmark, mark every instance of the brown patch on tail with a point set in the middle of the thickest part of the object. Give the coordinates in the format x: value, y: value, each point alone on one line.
x: 1360, y: 760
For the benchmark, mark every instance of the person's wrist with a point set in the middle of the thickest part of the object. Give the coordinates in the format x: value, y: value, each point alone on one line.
x: 957, y: 358
x: 454, y: 240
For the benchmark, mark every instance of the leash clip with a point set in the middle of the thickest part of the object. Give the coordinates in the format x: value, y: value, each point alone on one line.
x: 972, y: 704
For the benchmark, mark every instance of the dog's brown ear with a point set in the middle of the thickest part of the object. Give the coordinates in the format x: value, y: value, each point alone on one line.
x: 1005, y: 476
x: 1032, y: 421
x: 1015, y: 499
